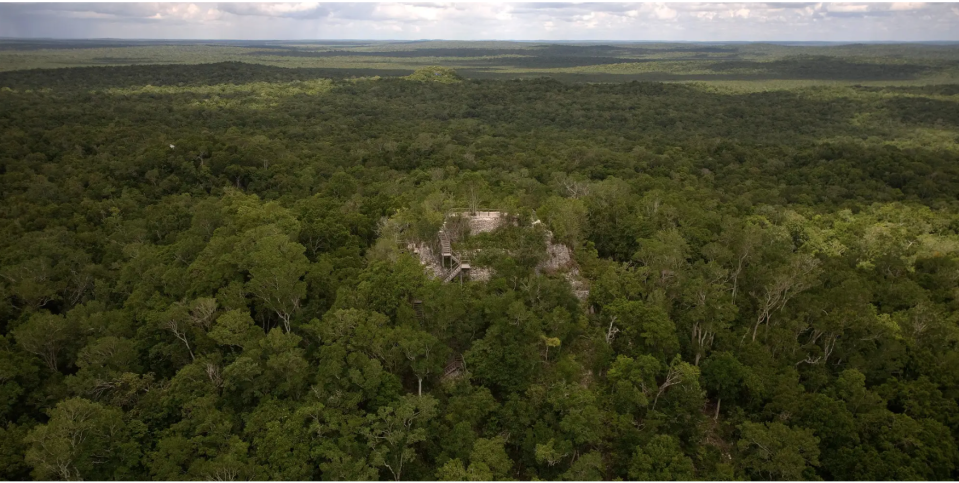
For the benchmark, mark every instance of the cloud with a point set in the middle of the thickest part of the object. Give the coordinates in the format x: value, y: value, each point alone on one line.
x: 663, y: 12
x: 728, y: 21
x: 848, y: 8
x: 306, y: 10
x: 898, y: 7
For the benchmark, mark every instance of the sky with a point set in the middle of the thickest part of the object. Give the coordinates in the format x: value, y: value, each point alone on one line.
x: 684, y: 21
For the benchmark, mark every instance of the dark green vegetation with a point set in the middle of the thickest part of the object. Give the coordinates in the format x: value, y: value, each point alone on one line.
x: 202, y: 274
x: 770, y: 64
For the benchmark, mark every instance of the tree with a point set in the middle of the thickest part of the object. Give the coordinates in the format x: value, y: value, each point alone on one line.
x: 633, y: 381
x: 47, y: 336
x: 426, y: 354
x: 12, y: 450
x: 774, y: 451
x: 566, y: 217
x: 235, y: 328
x: 488, y: 461
x: 280, y: 441
x: 726, y: 378
x: 552, y: 452
x: 274, y: 366
x: 799, y: 274
x: 588, y: 467
x: 505, y: 359
x: 707, y: 308
x: 489, y: 455
x: 646, y: 328
x: 104, y: 365
x: 738, y: 246
x: 580, y: 417
x: 19, y: 375
x: 201, y: 445
x: 177, y: 320
x: 394, y: 431
x: 665, y: 256
x: 151, y: 264
x: 661, y: 460
x: 85, y: 440
x: 277, y: 266
x: 453, y: 470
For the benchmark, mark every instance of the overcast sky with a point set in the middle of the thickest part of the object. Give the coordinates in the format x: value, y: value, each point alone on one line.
x: 475, y: 21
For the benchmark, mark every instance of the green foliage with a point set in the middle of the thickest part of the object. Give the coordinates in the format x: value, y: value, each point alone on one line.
x: 395, y: 430
x: 488, y: 461
x: 433, y: 73
x: 566, y: 217
x: 206, y: 273
x: 661, y: 460
x: 47, y: 336
x: 646, y: 328
x: 775, y: 451
x: 84, y: 439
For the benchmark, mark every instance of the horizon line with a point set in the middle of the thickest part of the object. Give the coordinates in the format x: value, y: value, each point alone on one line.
x: 481, y: 40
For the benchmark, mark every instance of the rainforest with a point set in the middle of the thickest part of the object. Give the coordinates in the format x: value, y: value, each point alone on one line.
x: 478, y: 261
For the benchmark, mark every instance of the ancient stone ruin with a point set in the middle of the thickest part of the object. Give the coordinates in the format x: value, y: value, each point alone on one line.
x: 451, y: 265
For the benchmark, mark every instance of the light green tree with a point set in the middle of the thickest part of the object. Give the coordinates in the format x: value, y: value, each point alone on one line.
x: 566, y: 217
x: 774, y: 451
x: 488, y: 461
x: 394, y: 431
x: 277, y: 266
x: 84, y: 440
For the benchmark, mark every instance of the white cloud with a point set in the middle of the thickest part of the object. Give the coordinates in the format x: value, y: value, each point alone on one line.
x: 304, y: 10
x: 848, y: 8
x: 906, y: 6
x: 663, y: 12
x: 466, y: 21
x: 408, y: 12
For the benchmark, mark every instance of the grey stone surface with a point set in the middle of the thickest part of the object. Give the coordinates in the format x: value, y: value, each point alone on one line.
x: 559, y: 259
x: 484, y: 221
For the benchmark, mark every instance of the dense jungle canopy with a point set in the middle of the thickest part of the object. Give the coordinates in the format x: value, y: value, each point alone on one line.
x: 204, y: 273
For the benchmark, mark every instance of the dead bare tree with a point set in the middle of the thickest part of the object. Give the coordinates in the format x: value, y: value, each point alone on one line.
x: 673, y: 377
x: 175, y: 326
x: 612, y: 331
x: 703, y: 338
x: 213, y: 372
x: 575, y: 188
x: 800, y: 274
x: 751, y: 239
x: 202, y: 313
x: 828, y: 346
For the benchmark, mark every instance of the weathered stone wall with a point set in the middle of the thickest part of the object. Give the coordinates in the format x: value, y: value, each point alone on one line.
x: 480, y: 274
x: 428, y: 259
x: 559, y: 257
x: 484, y: 221
x: 561, y: 260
